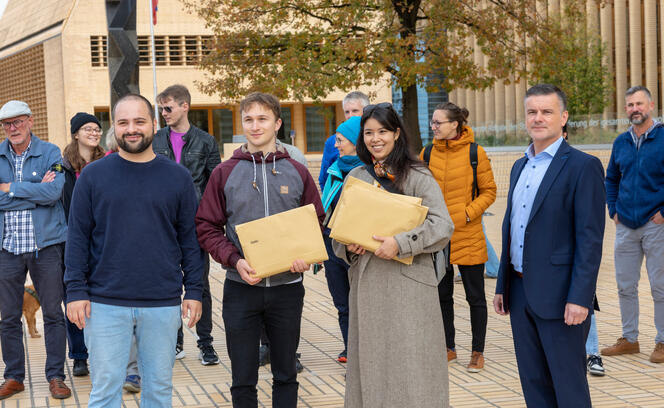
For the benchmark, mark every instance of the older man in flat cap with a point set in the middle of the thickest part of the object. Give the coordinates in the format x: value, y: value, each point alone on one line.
x: 33, y: 228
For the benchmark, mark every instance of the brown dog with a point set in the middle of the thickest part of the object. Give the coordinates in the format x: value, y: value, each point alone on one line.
x: 30, y: 306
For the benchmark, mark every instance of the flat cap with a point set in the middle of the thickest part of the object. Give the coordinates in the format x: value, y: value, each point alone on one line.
x: 13, y: 109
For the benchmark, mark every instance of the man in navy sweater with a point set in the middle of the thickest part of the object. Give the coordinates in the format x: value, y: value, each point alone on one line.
x: 131, y: 245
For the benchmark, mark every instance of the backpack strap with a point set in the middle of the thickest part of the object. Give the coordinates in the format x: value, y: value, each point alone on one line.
x: 385, y: 182
x: 427, y: 153
x: 473, y: 164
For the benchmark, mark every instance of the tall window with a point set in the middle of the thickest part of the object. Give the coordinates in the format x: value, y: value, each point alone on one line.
x: 222, y: 125
x: 286, y: 124
x: 320, y: 124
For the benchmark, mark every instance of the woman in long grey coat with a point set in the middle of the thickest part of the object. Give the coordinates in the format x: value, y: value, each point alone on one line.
x: 396, y: 350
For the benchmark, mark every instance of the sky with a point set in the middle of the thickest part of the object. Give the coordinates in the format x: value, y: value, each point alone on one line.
x: 3, y: 4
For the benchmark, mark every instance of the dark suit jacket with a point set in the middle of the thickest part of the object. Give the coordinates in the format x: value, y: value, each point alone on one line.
x: 563, y: 239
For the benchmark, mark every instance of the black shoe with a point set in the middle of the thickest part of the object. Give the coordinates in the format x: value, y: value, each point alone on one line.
x: 595, y: 366
x: 298, y: 366
x: 80, y: 368
x: 179, y: 352
x: 207, y: 355
x: 263, y: 355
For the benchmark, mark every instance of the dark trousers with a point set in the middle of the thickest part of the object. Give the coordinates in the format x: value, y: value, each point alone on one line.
x: 245, y: 309
x: 75, y: 337
x: 551, y: 355
x: 45, y: 268
x: 336, y: 274
x: 473, y: 283
x: 204, y: 325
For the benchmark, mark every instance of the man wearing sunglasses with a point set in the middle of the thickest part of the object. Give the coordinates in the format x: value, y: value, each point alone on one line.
x: 196, y: 150
x: 32, y: 224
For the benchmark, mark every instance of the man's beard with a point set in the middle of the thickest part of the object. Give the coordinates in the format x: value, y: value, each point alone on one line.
x: 642, y: 118
x: 144, y: 143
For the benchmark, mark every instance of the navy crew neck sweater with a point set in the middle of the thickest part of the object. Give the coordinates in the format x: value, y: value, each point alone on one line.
x: 131, y: 238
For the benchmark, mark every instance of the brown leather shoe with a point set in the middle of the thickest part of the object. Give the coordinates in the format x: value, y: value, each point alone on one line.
x: 657, y: 355
x: 9, y: 388
x: 58, y: 389
x: 451, y: 355
x: 622, y: 346
x: 476, y: 362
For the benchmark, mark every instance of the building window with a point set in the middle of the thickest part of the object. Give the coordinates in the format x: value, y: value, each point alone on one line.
x: 284, y: 133
x: 170, y: 50
x: 104, y: 117
x: 320, y: 124
x: 222, y: 125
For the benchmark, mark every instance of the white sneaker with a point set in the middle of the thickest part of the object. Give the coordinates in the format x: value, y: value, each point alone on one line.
x: 595, y: 366
x: 179, y: 352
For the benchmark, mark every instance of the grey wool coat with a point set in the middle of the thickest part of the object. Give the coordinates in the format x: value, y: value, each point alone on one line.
x: 396, y: 343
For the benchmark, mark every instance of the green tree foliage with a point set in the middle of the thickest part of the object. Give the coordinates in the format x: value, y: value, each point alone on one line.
x: 307, y: 48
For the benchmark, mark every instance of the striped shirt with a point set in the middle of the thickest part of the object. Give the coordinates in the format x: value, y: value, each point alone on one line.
x: 18, y: 236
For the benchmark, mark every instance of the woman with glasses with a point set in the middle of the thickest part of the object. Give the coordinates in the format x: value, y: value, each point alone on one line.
x: 395, y: 356
x: 83, y: 149
x: 468, y: 193
x: 336, y: 269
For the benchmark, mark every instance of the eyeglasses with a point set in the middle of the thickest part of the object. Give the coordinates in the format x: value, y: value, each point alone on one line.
x: 15, y: 123
x: 370, y: 108
x: 435, y: 124
x: 92, y: 129
x: 168, y: 109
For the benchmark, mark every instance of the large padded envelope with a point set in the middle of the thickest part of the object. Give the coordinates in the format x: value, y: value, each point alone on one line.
x: 271, y: 244
x: 352, y: 182
x: 363, y: 212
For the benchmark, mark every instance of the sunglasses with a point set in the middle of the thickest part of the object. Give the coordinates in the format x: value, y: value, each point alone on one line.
x: 168, y: 109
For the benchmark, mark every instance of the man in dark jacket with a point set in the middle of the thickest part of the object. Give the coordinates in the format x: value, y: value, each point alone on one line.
x: 196, y: 150
x: 635, y: 197
x: 260, y: 180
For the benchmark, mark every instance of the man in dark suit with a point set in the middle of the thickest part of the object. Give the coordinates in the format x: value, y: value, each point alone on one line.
x: 552, y: 248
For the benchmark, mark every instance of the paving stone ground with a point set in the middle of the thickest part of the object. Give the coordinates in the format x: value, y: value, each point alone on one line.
x: 631, y: 381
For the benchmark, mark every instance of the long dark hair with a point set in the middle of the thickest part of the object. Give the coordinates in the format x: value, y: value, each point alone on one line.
x: 401, y: 159
x: 74, y: 157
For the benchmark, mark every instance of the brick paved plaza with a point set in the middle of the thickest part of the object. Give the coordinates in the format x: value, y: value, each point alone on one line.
x: 630, y: 381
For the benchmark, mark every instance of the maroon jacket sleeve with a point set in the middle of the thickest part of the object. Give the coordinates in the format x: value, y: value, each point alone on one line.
x: 211, y: 219
x: 310, y: 194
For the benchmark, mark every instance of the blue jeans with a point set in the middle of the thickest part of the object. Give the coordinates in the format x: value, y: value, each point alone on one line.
x: 108, y: 336
x: 491, y: 266
x: 45, y: 268
x: 592, y: 342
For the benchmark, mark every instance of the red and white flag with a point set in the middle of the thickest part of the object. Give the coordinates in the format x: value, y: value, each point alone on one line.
x: 154, y: 11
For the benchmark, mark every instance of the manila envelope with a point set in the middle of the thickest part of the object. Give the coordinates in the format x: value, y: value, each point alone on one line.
x: 352, y: 182
x: 271, y: 244
x: 362, y: 213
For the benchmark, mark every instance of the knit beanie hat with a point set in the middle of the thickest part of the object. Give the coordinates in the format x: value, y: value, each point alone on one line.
x: 80, y: 119
x: 350, y: 129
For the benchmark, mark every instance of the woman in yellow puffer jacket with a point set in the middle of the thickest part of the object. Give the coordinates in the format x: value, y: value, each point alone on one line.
x: 450, y: 165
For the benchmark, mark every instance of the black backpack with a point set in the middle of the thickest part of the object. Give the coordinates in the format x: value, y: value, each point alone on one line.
x: 473, y: 164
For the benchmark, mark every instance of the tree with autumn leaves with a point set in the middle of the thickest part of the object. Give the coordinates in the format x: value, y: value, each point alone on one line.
x: 307, y: 48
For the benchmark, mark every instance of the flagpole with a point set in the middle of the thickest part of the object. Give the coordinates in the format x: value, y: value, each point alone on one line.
x: 154, y: 61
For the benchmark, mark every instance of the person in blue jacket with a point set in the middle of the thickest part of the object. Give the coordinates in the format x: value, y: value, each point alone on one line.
x: 336, y: 269
x: 33, y: 228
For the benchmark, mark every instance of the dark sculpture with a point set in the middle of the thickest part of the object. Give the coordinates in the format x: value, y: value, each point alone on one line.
x: 122, y: 48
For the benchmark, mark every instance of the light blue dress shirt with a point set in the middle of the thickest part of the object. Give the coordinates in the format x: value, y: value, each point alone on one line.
x: 524, y: 195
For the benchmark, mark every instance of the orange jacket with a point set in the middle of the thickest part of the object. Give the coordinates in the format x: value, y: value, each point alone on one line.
x: 450, y: 166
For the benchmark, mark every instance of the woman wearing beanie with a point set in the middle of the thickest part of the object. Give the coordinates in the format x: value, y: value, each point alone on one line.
x: 336, y: 269
x: 83, y: 149
x: 449, y: 160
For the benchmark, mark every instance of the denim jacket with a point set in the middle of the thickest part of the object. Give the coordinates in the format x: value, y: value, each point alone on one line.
x: 43, y: 199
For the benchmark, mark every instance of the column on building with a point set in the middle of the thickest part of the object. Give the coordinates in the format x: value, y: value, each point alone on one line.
x: 620, y: 29
x: 510, y: 106
x: 479, y: 96
x: 499, y: 103
x: 650, y: 37
x: 606, y: 32
x: 470, y: 94
x: 459, y: 97
x: 554, y: 7
x: 298, y: 125
x: 635, y: 69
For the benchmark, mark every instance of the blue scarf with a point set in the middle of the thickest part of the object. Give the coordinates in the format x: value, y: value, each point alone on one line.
x: 348, y: 163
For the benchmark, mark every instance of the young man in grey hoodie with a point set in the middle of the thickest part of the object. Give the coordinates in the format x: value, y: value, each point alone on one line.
x: 259, y: 180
